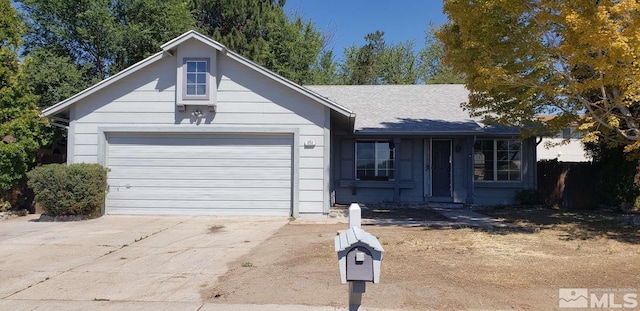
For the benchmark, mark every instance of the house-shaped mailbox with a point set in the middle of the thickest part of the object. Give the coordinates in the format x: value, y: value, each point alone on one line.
x: 359, y: 255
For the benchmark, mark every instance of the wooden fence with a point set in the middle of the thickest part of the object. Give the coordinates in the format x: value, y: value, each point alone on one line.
x: 566, y: 184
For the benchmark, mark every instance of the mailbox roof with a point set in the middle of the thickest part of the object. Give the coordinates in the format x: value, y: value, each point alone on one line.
x: 354, y: 235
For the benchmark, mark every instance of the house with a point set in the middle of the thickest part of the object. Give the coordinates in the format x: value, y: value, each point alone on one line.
x: 197, y: 129
x: 565, y: 146
x: 413, y: 143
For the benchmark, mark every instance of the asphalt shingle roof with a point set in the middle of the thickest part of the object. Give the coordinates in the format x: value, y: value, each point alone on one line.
x: 404, y: 108
x: 411, y: 109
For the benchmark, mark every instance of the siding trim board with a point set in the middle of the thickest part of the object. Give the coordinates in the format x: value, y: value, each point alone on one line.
x: 326, y: 143
x: 102, y: 84
x: 104, y: 134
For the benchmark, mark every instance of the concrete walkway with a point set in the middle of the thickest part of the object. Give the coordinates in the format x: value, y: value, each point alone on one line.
x: 465, y: 217
x: 458, y: 217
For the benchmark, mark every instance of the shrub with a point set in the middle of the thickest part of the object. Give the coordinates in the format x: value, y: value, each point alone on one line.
x: 76, y: 189
x: 529, y: 197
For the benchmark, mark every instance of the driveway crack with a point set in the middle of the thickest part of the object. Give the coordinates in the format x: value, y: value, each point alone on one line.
x: 106, y: 254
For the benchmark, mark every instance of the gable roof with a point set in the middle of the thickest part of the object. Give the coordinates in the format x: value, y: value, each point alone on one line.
x: 167, y: 50
x: 409, y: 109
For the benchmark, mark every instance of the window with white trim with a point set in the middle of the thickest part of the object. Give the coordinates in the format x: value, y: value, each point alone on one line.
x: 196, y: 78
x: 498, y: 160
x: 375, y: 160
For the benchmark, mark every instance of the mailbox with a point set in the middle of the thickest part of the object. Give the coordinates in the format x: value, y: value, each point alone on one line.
x: 359, y: 255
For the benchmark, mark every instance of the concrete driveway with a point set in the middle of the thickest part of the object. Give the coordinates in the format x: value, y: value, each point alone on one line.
x: 122, y: 262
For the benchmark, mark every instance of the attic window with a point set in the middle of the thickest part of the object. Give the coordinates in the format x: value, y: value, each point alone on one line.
x: 196, y: 78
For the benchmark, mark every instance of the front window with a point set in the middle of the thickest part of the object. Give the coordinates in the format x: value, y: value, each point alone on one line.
x: 196, y: 72
x: 374, y: 160
x: 498, y: 160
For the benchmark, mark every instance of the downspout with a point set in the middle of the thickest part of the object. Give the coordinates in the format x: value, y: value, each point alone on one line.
x: 352, y: 123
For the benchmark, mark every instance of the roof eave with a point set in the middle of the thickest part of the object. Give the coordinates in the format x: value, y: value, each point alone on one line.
x: 418, y: 133
x: 61, y: 106
x: 166, y: 50
x: 294, y: 86
x: 239, y: 58
x: 192, y: 34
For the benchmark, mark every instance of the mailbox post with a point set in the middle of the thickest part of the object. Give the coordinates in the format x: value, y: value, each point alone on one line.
x: 359, y: 257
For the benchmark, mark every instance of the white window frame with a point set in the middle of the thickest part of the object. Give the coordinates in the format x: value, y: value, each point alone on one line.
x: 495, y: 161
x: 375, y: 150
x: 185, y: 72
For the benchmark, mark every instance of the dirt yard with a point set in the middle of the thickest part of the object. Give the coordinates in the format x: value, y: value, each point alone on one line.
x: 444, y: 268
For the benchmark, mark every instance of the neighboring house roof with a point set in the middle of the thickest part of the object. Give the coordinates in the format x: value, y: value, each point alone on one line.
x: 167, y: 51
x: 409, y: 109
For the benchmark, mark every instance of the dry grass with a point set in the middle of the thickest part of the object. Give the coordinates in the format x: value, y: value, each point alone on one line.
x: 443, y: 269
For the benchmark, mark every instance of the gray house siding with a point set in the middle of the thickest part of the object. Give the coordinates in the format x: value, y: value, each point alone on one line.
x: 415, y: 175
x: 410, y: 161
x: 245, y: 99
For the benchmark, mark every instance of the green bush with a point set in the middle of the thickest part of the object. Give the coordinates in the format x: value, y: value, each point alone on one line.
x: 529, y: 197
x: 76, y: 189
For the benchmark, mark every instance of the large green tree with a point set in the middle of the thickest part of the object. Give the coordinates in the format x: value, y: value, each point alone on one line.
x: 432, y: 68
x: 261, y: 31
x: 325, y: 70
x: 21, y: 132
x: 523, y: 58
x: 106, y: 36
x: 53, y: 77
x: 377, y: 62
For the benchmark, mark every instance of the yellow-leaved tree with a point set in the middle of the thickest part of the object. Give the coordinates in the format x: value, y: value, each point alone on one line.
x: 578, y: 60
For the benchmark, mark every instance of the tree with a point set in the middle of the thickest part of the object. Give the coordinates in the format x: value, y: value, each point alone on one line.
x: 54, y: 78
x: 261, y: 31
x: 432, y: 68
x: 379, y: 63
x: 104, y: 35
x: 325, y: 70
x: 21, y: 131
x: 523, y: 58
x: 400, y: 65
x: 293, y: 48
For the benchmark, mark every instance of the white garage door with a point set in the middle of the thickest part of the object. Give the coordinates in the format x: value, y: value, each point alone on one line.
x: 199, y: 174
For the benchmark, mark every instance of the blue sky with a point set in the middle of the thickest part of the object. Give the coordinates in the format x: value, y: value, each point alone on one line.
x: 350, y: 20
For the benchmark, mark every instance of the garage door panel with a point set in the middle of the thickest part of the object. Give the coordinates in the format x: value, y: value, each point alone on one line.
x: 231, y: 173
x: 198, y: 140
x: 226, y: 162
x: 203, y: 211
x: 201, y: 152
x: 213, y: 174
x: 196, y: 183
x: 200, y: 194
x: 185, y: 204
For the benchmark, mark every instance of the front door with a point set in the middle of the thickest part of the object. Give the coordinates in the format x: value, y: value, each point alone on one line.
x: 441, y: 168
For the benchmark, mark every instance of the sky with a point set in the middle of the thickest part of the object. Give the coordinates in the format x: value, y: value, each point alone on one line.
x: 350, y: 20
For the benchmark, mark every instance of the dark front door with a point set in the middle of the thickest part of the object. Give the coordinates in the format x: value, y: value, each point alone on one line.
x: 441, y: 168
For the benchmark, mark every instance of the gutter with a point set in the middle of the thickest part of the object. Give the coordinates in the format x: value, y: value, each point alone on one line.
x: 52, y: 121
x: 352, y: 122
